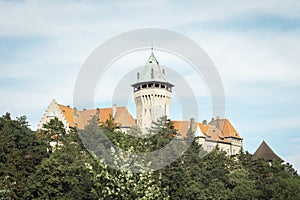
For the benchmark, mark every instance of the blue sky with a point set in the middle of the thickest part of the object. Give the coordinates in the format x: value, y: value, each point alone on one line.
x: 255, y: 47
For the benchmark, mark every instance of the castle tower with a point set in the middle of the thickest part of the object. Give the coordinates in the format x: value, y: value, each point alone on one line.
x: 152, y: 94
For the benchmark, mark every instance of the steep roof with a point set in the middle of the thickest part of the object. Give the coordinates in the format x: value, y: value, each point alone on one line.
x: 212, y: 132
x: 209, y: 131
x: 124, y: 118
x: 152, y: 72
x: 80, y: 118
x: 264, y: 151
x: 225, y: 127
x: 183, y: 127
x: 68, y: 113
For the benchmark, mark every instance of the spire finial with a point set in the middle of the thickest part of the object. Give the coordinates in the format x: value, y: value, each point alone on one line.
x: 151, y: 47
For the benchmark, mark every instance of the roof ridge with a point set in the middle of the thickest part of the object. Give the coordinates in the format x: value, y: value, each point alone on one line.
x: 265, y: 151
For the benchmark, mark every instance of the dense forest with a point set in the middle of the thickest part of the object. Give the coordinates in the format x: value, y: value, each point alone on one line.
x: 54, y: 164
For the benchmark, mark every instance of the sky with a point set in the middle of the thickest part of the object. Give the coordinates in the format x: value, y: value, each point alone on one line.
x: 254, y: 45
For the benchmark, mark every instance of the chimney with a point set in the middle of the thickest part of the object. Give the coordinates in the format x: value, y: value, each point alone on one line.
x: 218, y: 122
x: 163, y: 71
x: 138, y: 76
x: 114, y: 110
x: 98, y: 113
x: 75, y: 112
x: 204, y: 122
x: 191, y: 123
x: 212, y: 121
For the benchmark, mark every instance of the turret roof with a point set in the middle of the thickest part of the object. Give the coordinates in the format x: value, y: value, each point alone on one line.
x: 152, y: 72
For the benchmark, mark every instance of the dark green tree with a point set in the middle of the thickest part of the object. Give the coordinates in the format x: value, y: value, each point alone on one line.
x: 242, y: 186
x: 54, y: 131
x: 183, y: 177
x: 286, y: 188
x: 20, y: 152
x: 64, y: 175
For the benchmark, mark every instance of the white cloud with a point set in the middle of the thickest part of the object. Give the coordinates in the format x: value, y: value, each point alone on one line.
x: 253, y: 63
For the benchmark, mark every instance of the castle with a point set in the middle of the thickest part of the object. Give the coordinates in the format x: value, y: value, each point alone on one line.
x: 152, y: 97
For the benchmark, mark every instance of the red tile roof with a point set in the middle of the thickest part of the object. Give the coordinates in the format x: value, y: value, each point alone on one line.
x: 123, y: 117
x: 225, y: 127
x: 211, y: 131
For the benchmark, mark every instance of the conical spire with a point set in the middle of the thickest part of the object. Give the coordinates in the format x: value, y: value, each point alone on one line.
x: 152, y: 71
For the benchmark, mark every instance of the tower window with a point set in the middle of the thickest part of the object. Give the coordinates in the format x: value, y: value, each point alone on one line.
x: 162, y: 86
x: 144, y: 86
x: 152, y: 73
x: 157, y: 85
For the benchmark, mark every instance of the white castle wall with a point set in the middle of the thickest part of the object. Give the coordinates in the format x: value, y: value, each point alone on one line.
x: 229, y: 148
x: 52, y: 111
x: 151, y: 104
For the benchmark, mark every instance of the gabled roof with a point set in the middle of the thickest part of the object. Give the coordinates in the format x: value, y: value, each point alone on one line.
x: 183, y: 127
x: 212, y: 132
x: 68, y: 113
x: 225, y: 127
x: 80, y: 118
x: 264, y: 151
x: 124, y: 118
x: 209, y: 131
x: 152, y: 72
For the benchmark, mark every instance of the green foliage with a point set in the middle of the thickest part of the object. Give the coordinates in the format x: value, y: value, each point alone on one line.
x: 163, y: 126
x: 109, y: 123
x: 121, y: 183
x: 20, y: 152
x: 64, y: 175
x: 54, y: 131
x: 215, y: 190
x: 242, y: 186
x: 286, y: 188
x: 69, y: 171
x: 160, y: 135
x: 183, y: 177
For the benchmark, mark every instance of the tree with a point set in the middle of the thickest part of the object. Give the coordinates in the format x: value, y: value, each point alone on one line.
x: 121, y: 183
x: 163, y: 126
x: 64, y: 175
x: 20, y: 152
x: 183, y: 177
x: 215, y: 190
x: 290, y: 170
x: 54, y: 131
x: 116, y: 178
x: 242, y: 186
x: 109, y: 124
x: 286, y: 188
